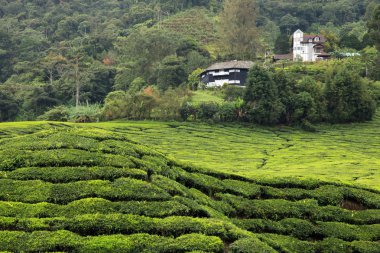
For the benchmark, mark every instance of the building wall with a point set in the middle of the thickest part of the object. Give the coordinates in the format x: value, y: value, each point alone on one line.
x: 303, y: 51
x: 235, y: 77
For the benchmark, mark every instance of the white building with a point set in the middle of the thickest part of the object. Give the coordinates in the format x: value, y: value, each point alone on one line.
x: 308, y: 47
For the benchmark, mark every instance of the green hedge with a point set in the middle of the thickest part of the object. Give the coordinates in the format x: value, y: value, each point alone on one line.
x: 72, y: 174
x: 250, y: 245
x: 220, y: 206
x: 349, y: 232
x: 24, y: 191
x: 120, y: 189
x: 104, y: 224
x: 92, y: 206
x: 171, y: 186
x: 366, y: 198
x: 248, y: 190
x: 278, y: 209
x: 287, y: 244
x: 205, y: 183
x: 14, y: 159
x: 305, y: 230
x: 40, y: 241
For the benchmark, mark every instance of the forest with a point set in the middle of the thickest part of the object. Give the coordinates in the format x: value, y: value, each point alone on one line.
x: 86, y: 60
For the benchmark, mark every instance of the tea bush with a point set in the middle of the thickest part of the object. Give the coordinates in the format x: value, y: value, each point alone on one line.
x: 72, y: 189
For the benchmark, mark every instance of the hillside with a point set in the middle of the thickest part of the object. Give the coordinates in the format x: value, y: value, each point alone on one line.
x: 113, y: 44
x: 65, y: 188
x: 335, y: 152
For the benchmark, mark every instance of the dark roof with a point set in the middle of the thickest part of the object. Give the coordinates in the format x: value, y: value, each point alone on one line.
x: 282, y: 57
x: 231, y: 65
x: 323, y: 54
x: 306, y: 38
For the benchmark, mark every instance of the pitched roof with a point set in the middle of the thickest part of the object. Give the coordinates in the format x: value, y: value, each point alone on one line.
x: 231, y: 65
x: 306, y: 38
x: 283, y: 56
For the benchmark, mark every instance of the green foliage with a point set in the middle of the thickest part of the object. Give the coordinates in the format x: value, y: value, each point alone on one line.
x: 347, y: 97
x: 261, y: 97
x: 193, y: 79
x: 170, y: 72
x: 85, y: 189
x: 8, y: 107
x: 59, y: 113
x: 239, y: 35
x: 249, y: 245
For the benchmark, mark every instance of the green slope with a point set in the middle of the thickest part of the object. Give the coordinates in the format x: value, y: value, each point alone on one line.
x: 349, y: 153
x: 91, y: 190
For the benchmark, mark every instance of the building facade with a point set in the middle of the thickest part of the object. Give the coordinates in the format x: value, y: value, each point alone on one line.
x: 308, y: 47
x: 230, y: 73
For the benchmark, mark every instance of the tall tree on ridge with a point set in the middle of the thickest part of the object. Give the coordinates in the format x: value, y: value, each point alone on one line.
x: 239, y: 33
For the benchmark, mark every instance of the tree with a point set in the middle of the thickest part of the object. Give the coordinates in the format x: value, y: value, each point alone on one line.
x: 288, y: 24
x: 282, y: 44
x: 194, y: 79
x: 53, y: 65
x: 374, y: 27
x: 374, y: 35
x: 348, y: 98
x: 332, y: 41
x: 239, y: 33
x: 170, y: 103
x: 351, y: 41
x: 261, y: 97
x: 8, y: 107
x: 286, y: 93
x: 170, y: 72
x: 117, y: 105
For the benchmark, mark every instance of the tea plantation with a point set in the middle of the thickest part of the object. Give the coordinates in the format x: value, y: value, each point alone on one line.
x: 349, y: 153
x: 65, y: 188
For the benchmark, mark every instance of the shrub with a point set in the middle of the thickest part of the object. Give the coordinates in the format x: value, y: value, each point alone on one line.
x: 39, y: 241
x: 85, y: 114
x: 192, y: 242
x: 203, y: 182
x: 208, y: 110
x: 153, y: 208
x: 329, y: 195
x: 220, y: 206
x: 364, y: 247
x: 250, y: 245
x: 71, y: 174
x: 298, y: 228
x: 58, y: 113
x: 284, y: 243
x: 24, y: 191
x: 245, y: 189
x: 120, y: 189
x: 349, y: 232
x: 333, y: 245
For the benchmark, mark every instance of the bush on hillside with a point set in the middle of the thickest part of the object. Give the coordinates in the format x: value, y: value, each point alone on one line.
x: 58, y: 113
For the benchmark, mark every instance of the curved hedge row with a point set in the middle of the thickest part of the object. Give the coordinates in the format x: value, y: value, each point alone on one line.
x: 38, y: 191
x: 303, y: 229
x: 67, y: 241
x: 93, y: 206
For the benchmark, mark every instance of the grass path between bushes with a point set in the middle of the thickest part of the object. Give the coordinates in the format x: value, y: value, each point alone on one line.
x: 349, y: 153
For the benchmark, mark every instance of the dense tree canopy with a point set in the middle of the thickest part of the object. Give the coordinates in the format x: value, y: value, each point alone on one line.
x: 75, y: 52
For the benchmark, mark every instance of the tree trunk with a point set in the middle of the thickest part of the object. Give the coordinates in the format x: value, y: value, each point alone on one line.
x: 77, y: 84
